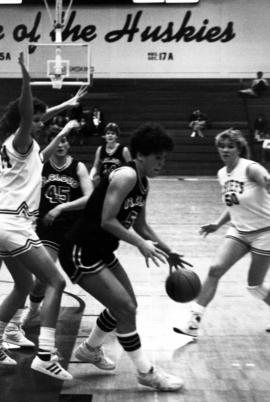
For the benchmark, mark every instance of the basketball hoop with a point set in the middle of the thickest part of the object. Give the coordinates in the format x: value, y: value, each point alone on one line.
x: 60, y: 63
x: 56, y: 80
x: 57, y: 69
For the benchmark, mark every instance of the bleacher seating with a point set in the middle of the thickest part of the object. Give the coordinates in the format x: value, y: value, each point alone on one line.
x: 130, y: 102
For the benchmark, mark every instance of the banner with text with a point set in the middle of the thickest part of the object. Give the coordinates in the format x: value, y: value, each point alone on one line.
x: 228, y: 39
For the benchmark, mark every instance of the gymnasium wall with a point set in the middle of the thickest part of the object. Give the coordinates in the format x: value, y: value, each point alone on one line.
x: 212, y: 39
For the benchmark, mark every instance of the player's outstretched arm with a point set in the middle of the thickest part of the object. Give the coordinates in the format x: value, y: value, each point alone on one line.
x: 213, y: 227
x: 23, y: 139
x: 49, y: 150
x: 69, y: 104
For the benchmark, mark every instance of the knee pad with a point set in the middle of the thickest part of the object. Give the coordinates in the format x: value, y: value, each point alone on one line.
x: 259, y: 291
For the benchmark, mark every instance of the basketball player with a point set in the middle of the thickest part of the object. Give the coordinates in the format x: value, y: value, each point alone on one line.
x: 20, y: 247
x: 65, y: 190
x: 87, y: 255
x: 109, y: 156
x: 245, y: 189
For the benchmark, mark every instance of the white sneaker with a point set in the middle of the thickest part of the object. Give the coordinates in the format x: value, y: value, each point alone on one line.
x: 5, y: 359
x: 192, y: 326
x: 51, y: 367
x: 31, y: 319
x: 96, y: 356
x: 159, y: 380
x: 15, y: 334
x: 268, y: 328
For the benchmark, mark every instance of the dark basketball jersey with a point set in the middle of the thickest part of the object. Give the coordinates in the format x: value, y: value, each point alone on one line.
x: 88, y: 231
x: 59, y: 186
x: 110, y: 161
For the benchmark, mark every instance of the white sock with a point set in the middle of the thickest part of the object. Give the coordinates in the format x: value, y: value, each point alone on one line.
x: 96, y: 337
x: 197, y: 308
x: 2, y: 330
x: 140, y: 360
x: 46, y: 339
x: 17, y: 318
x: 15, y: 321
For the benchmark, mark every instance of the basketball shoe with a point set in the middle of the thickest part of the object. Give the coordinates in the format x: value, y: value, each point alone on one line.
x: 5, y: 359
x: 51, y: 367
x: 96, y: 356
x: 156, y: 378
x: 15, y: 334
x: 31, y: 319
x: 191, y: 327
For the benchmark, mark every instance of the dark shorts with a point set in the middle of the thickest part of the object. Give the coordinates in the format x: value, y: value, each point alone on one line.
x: 78, y: 261
x: 50, y: 236
x: 53, y: 235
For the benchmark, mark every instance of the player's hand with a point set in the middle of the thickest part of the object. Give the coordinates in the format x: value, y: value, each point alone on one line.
x: 21, y: 58
x: 25, y: 73
x: 151, y: 251
x: 72, y: 124
x: 176, y: 261
x: 51, y: 215
x: 75, y: 100
x: 209, y: 228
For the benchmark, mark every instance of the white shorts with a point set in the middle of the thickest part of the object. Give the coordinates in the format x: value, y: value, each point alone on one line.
x: 17, y: 236
x: 257, y: 242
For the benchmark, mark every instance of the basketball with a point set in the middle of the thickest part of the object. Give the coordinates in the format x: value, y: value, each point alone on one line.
x: 183, y: 285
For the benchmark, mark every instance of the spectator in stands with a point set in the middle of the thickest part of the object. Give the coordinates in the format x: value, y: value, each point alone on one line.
x: 78, y: 114
x: 84, y: 130
x: 109, y: 156
x: 91, y: 123
x: 265, y: 151
x: 258, y: 86
x: 260, y: 136
x: 60, y: 120
x: 260, y: 127
x: 96, y: 122
x: 197, y: 121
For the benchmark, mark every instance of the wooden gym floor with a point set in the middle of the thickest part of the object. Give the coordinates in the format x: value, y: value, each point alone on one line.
x: 231, y: 360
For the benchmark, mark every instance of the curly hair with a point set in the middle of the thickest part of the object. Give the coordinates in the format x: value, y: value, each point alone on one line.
x: 237, y: 138
x: 11, y: 118
x: 150, y: 138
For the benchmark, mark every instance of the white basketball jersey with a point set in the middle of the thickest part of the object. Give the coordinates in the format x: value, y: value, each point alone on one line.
x: 20, y: 181
x: 247, y: 202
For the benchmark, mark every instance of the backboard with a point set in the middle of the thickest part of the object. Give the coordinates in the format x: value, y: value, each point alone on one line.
x: 59, y: 64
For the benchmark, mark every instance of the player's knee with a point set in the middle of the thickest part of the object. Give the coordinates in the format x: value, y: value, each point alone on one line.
x: 126, y: 311
x: 39, y: 288
x: 59, y: 283
x: 259, y: 291
x: 130, y: 309
x: 216, y: 272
